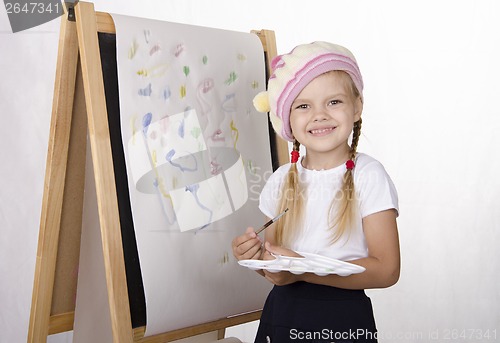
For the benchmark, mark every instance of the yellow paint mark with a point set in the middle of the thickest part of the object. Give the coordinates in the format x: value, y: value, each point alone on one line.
x: 132, y: 127
x: 234, y: 133
x: 133, y: 49
x: 156, y: 71
x: 225, y: 258
x: 153, y: 157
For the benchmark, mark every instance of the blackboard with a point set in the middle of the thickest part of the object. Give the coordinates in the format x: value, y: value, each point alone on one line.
x: 107, y: 46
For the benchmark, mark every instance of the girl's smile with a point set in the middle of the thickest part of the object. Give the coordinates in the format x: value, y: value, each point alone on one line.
x: 322, y: 131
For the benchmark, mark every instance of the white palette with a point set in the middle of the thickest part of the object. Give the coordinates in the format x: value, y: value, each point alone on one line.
x: 309, y: 263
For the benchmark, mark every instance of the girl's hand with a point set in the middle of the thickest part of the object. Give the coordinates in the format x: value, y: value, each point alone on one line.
x: 247, y: 246
x: 280, y: 278
x: 277, y: 250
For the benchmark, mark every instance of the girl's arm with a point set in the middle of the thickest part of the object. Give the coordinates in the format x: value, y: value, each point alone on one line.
x: 382, y: 264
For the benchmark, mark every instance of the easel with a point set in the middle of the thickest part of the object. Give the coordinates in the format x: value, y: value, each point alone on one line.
x: 79, y: 94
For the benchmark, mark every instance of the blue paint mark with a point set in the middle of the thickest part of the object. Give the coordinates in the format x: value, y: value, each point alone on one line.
x: 227, y: 105
x: 181, y: 128
x: 166, y: 93
x: 146, y: 91
x: 146, y: 121
x: 193, y: 189
x: 170, y: 155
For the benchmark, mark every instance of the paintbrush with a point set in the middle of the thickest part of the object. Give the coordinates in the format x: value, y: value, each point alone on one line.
x: 270, y: 222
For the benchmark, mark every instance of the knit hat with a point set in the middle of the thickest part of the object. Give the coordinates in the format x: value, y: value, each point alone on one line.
x: 293, y: 71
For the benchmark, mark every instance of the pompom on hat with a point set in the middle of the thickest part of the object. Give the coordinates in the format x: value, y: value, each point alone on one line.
x: 293, y: 71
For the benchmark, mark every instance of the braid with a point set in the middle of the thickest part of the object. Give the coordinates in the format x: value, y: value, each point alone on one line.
x: 347, y: 204
x: 291, y: 198
x: 349, y: 177
x: 296, y: 145
x: 356, y: 132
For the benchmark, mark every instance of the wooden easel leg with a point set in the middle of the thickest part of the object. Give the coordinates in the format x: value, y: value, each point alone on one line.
x: 56, y: 165
x: 68, y: 251
x: 92, y: 317
x: 104, y: 173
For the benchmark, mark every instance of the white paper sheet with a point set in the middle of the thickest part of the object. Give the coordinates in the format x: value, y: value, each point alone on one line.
x: 197, y: 155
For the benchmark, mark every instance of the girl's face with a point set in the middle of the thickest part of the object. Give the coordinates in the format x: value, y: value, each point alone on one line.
x: 323, y: 115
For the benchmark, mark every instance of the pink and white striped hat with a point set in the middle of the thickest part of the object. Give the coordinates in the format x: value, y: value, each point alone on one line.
x: 293, y: 71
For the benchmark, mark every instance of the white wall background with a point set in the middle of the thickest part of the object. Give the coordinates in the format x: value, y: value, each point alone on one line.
x: 431, y: 116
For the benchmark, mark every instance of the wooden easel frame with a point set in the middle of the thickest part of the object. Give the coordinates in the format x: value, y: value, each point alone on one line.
x: 79, y: 95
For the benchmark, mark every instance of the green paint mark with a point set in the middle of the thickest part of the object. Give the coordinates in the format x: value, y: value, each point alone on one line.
x: 232, y: 77
x: 196, y: 132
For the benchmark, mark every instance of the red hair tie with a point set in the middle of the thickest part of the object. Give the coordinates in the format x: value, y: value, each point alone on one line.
x: 295, y: 156
x: 350, y: 164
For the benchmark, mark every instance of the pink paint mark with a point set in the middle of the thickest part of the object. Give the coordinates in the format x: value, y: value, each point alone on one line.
x: 215, y: 168
x: 178, y: 50
x: 217, y: 136
x: 206, y: 85
x: 154, y: 50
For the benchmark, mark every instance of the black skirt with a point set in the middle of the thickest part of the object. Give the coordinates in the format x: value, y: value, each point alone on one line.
x: 305, y: 312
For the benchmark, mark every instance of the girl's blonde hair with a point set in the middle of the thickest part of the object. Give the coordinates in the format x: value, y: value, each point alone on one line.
x: 343, y: 209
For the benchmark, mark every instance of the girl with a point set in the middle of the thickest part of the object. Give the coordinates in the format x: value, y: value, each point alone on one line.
x: 342, y: 204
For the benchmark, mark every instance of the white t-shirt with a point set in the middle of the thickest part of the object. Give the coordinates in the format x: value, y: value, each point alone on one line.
x: 375, y: 192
